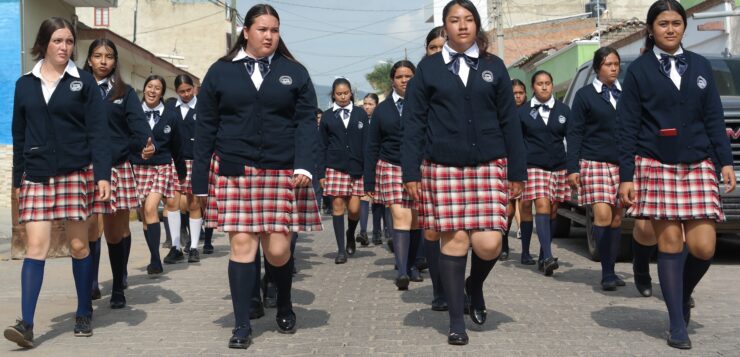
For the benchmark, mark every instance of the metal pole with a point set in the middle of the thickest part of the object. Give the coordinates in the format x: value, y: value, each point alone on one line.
x: 598, y: 21
x: 498, y: 16
x: 232, y: 14
x: 136, y: 10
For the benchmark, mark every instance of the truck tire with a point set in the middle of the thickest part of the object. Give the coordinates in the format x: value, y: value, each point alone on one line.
x: 593, y: 247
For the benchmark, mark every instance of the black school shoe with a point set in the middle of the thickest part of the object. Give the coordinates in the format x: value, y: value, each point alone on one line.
x: 402, y: 282
x: 549, y: 266
x: 83, y: 326
x: 193, y: 256
x: 208, y: 249
x: 174, y: 256
x: 95, y: 293
x: 154, y: 269
x: 21, y: 333
x: 377, y: 238
x: 286, y: 321
x: 363, y: 239
x: 415, y: 275
x: 117, y: 300
x: 457, y: 338
x: 679, y: 344
x: 351, y: 247
x: 644, y: 284
x: 241, y: 337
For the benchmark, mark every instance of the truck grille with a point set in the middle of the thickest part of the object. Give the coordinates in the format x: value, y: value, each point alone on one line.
x: 732, y: 121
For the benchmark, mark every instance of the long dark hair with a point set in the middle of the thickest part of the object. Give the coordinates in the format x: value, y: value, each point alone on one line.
x: 481, y: 38
x: 656, y: 9
x: 434, y: 33
x: 119, y: 86
x: 542, y: 71
x: 43, y: 37
x: 241, y: 42
x: 338, y: 82
x: 600, y: 56
x: 401, y: 64
x: 372, y: 96
x: 156, y: 77
x: 183, y: 78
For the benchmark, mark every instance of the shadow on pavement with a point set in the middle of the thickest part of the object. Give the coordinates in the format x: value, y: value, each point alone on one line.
x: 651, y: 322
x: 102, y: 317
x: 439, y: 320
x: 306, y: 319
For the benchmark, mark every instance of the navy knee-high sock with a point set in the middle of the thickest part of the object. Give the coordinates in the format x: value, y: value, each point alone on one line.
x: 126, y: 252
x: 95, y: 253
x: 542, y: 222
x: 415, y: 238
x: 401, y: 248
x: 256, y: 296
x: 364, y: 212
x: 185, y: 220
x: 241, y: 283
x: 117, y: 257
x: 526, y: 229
x: 82, y: 272
x: 352, y: 226
x: 479, y: 270
x: 283, y: 278
x: 452, y: 276
x: 641, y: 258
x: 694, y: 270
x: 505, y: 240
x: 670, y: 272
x: 378, y: 212
x: 387, y: 219
x: 615, y: 238
x: 432, y: 250
x: 153, y: 235
x: 167, y: 233
x: 602, y: 237
x: 208, y: 237
x: 32, y: 276
x: 338, y: 223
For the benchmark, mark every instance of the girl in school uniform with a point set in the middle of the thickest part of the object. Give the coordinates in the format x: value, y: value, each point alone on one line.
x: 369, y: 103
x: 382, y: 178
x: 593, y: 168
x: 544, y: 123
x: 59, y: 129
x: 341, y: 144
x: 154, y: 177
x: 256, y: 130
x: 129, y: 135
x: 671, y: 124
x: 463, y: 95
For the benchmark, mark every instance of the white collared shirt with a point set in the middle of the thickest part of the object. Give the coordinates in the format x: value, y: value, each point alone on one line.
x: 396, y: 97
x: 108, y: 84
x: 150, y: 120
x: 675, y: 77
x: 48, y: 88
x: 473, y: 52
x: 348, y: 107
x: 256, y: 74
x: 544, y: 114
x: 598, y: 85
x: 185, y: 107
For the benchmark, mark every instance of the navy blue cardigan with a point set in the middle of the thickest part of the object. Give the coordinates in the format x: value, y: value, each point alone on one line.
x: 168, y: 143
x: 63, y: 136
x: 383, y: 140
x: 187, y: 130
x: 592, y: 131
x: 460, y: 125
x: 544, y: 143
x: 273, y: 128
x: 341, y: 148
x: 651, y: 102
x: 129, y: 130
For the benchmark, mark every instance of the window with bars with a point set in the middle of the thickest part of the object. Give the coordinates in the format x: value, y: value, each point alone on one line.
x: 102, y: 16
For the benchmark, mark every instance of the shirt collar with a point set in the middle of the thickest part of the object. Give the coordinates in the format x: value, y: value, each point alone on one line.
x: 396, y: 97
x: 159, y: 108
x: 243, y: 54
x: 550, y: 103
x: 71, y: 69
x: 190, y: 104
x: 657, y: 51
x: 337, y: 107
x: 447, y: 52
x: 107, y: 81
x: 598, y: 85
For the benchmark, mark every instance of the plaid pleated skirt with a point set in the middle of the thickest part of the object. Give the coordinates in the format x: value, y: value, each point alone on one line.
x: 389, y: 183
x: 123, y: 194
x: 186, y: 185
x: 541, y: 183
x: 154, y: 178
x: 599, y: 183
x: 424, y: 205
x: 64, y: 197
x: 263, y: 200
x: 340, y: 184
x: 464, y: 198
x: 679, y: 192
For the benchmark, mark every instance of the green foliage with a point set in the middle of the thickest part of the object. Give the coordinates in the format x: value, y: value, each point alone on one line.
x: 380, y: 78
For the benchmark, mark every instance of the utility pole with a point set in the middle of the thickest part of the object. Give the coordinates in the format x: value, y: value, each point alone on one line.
x: 598, y: 21
x: 232, y: 14
x: 405, y: 53
x: 136, y: 10
x: 496, y: 11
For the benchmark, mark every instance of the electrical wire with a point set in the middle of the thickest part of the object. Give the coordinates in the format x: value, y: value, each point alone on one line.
x: 344, y: 9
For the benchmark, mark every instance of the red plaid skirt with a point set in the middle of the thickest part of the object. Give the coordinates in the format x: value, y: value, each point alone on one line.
x: 154, y: 178
x: 64, y: 197
x: 680, y: 192
x: 123, y: 195
x: 389, y: 183
x: 599, y: 183
x: 263, y: 200
x: 465, y: 198
x: 425, y: 205
x: 552, y: 185
x: 340, y: 184
x: 186, y: 186
x: 210, y: 215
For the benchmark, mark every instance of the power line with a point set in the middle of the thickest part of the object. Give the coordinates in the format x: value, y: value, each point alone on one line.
x: 188, y: 22
x: 344, y: 9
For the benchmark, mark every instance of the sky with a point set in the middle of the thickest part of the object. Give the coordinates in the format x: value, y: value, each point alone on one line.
x: 346, y: 38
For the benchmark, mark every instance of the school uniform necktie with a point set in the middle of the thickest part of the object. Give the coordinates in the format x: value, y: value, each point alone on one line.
x: 544, y: 107
x: 665, y: 64
x: 103, y: 89
x: 615, y: 92
x: 399, y: 106
x: 345, y: 113
x: 454, y: 64
x: 153, y: 115
x: 263, y: 63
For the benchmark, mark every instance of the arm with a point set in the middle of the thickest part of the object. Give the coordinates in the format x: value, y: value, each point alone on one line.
x: 206, y: 128
x: 511, y: 127
x: 372, y: 146
x: 137, y: 123
x: 628, y: 124
x: 19, y: 138
x: 413, y: 127
x: 574, y: 133
x: 305, y: 132
x: 96, y: 123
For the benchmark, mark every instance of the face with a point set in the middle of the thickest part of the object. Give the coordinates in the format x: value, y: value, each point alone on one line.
x: 401, y: 79
x: 153, y: 93
x: 609, y: 70
x: 435, y: 45
x: 542, y: 87
x: 60, y: 47
x: 667, y: 30
x: 369, y: 105
x: 102, y: 61
x: 263, y: 36
x: 520, y: 95
x: 186, y: 92
x: 460, y: 27
x: 342, y: 95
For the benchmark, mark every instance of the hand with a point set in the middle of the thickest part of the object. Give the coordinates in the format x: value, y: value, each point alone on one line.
x: 627, y: 193
x: 574, y: 180
x: 515, y: 188
x: 414, y: 189
x: 728, y: 176
x: 203, y: 200
x: 301, y: 180
x: 370, y: 194
x: 322, y: 182
x: 17, y: 192
x: 103, y: 190
x: 148, y: 151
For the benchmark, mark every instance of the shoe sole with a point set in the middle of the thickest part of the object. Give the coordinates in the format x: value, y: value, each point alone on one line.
x: 15, y: 336
x: 550, y: 269
x: 83, y: 334
x: 402, y: 284
x: 239, y: 346
x: 287, y: 332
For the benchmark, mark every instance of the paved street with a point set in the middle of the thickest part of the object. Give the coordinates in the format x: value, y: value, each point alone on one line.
x: 354, y: 309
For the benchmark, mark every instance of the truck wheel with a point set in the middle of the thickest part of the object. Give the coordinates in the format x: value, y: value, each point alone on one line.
x: 562, y: 227
x: 593, y: 247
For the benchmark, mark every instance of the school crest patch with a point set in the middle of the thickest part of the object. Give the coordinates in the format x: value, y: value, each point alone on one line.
x: 360, y: 125
x: 167, y: 129
x: 533, y: 113
x: 701, y: 82
x: 118, y: 101
x: 487, y: 76
x: 75, y: 86
x: 195, y: 116
x: 561, y: 119
x: 285, y: 80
